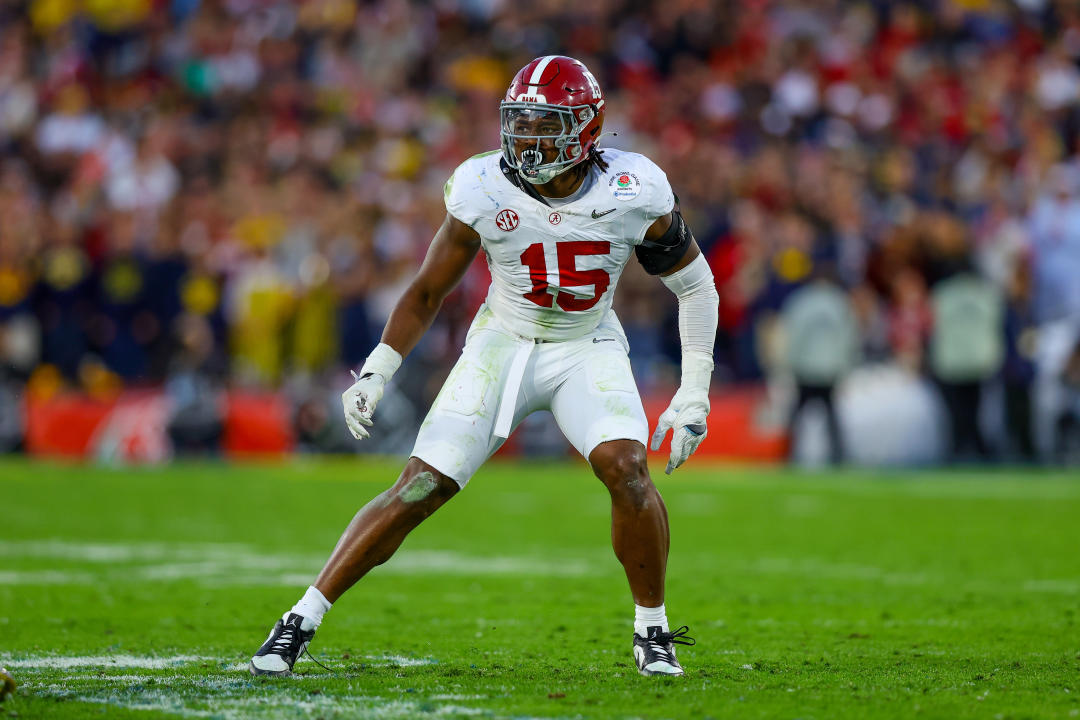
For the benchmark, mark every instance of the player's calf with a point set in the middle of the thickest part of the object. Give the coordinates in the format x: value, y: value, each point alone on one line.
x: 376, y: 531
x: 380, y: 527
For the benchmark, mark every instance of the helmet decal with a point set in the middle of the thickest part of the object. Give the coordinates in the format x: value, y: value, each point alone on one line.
x: 538, y: 71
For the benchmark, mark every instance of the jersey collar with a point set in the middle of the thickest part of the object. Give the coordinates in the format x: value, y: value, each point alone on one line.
x: 517, y: 181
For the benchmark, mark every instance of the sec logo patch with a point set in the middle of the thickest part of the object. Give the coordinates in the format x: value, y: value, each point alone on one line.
x: 507, y: 220
x: 554, y: 218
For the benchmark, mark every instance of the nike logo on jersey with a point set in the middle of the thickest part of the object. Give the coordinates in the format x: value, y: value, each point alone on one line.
x: 597, y: 215
x: 596, y: 340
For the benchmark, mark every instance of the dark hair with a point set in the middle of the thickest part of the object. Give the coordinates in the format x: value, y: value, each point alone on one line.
x: 596, y: 157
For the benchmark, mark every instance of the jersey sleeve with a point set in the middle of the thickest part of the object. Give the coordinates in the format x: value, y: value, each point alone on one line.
x: 454, y: 195
x: 465, y: 189
x: 656, y: 199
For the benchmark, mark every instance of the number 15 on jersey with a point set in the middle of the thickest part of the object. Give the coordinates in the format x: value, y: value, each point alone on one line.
x: 569, y: 274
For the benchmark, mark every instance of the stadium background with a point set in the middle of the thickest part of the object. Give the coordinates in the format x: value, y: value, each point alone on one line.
x: 208, y: 209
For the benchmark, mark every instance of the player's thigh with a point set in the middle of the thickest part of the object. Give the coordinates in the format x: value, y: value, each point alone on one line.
x: 598, y: 401
x: 457, y: 434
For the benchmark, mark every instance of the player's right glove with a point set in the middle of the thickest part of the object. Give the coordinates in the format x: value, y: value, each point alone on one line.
x: 687, y: 412
x: 360, y: 399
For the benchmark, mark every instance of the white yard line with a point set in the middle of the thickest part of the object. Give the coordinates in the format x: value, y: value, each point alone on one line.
x: 812, y: 567
x: 1058, y: 587
x: 63, y: 662
x: 46, y: 577
x: 817, y: 568
x: 236, y: 564
x: 113, y: 553
x: 413, y: 562
x: 402, y: 661
x: 227, y: 696
x: 185, y: 696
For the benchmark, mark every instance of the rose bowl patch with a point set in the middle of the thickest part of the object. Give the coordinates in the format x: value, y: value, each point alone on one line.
x: 624, y: 186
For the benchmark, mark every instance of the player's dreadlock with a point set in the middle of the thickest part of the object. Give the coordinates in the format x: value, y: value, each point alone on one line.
x: 596, y: 157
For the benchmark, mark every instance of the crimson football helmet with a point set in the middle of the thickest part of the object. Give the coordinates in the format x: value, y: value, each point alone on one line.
x: 554, y: 104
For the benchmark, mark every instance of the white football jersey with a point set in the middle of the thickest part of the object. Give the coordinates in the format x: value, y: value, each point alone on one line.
x: 554, y: 269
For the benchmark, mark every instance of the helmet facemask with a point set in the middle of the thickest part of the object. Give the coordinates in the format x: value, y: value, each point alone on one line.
x: 532, y: 132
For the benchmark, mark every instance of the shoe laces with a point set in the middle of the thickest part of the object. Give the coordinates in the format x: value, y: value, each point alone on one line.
x: 661, y: 641
x: 312, y: 659
x: 286, y: 641
x: 285, y: 645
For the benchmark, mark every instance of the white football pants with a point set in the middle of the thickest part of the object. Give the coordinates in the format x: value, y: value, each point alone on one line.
x: 501, y: 378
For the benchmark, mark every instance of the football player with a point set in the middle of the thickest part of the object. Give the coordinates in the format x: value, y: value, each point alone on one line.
x: 557, y: 219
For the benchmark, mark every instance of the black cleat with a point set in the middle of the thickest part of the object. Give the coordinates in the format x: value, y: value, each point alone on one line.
x: 655, y: 655
x: 287, y: 642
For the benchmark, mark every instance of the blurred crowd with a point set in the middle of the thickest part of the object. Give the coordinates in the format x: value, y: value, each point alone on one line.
x: 233, y: 193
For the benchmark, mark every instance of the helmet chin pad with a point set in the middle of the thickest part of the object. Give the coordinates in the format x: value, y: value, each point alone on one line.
x: 541, y: 177
x: 534, y: 171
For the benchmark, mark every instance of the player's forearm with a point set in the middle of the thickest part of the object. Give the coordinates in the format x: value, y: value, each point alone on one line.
x: 698, y: 318
x: 410, y: 319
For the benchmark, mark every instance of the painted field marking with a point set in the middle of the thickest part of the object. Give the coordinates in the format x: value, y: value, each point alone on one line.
x: 237, y: 564
x: 229, y: 697
x: 64, y: 662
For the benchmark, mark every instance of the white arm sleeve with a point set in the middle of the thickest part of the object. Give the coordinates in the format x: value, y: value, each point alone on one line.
x: 698, y: 316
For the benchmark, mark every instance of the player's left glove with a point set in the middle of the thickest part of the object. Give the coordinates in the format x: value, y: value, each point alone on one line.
x: 687, y: 412
x: 360, y: 399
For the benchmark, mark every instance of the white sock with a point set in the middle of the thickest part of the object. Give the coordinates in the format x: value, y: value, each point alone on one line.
x: 312, y: 607
x: 647, y: 617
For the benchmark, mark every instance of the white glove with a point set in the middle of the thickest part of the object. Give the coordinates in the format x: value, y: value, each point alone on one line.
x: 687, y: 412
x: 360, y: 401
x: 361, y: 398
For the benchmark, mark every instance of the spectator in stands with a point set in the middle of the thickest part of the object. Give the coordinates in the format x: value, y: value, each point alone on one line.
x: 63, y: 297
x: 966, y: 350
x: 194, y: 388
x: 863, y: 128
x: 909, y: 319
x: 822, y: 346
x: 1018, y: 369
x: 122, y: 325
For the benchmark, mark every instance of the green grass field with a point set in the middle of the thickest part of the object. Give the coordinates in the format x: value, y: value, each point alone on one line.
x: 141, y: 593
